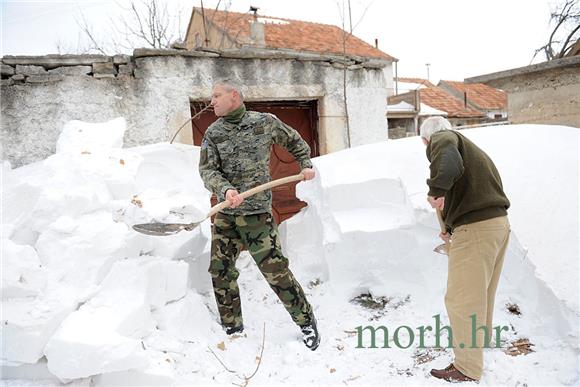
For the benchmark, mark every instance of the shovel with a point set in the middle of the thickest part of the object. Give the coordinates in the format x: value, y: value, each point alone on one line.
x: 164, y: 229
x: 444, y: 247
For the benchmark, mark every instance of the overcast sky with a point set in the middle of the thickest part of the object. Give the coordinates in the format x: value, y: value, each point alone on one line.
x: 458, y: 38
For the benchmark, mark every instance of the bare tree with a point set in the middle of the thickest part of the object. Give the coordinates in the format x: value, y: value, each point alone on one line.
x: 565, y: 34
x: 345, y: 37
x: 93, y: 43
x: 67, y: 47
x: 141, y: 23
x: 149, y: 23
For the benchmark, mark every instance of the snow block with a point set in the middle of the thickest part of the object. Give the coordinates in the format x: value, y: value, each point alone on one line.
x: 38, y: 372
x: 63, y: 191
x: 22, y: 272
x: 187, y: 319
x: 104, y: 335
x: 160, y: 371
x: 350, y: 218
x: 82, y: 250
x: 28, y: 324
x: 79, y: 136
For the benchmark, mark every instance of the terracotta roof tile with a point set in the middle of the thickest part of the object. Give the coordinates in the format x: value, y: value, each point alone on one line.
x: 483, y: 96
x: 439, y: 99
x: 293, y: 34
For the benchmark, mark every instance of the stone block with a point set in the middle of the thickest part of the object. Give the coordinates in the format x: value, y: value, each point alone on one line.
x: 104, y: 75
x: 45, y: 78
x: 30, y: 70
x: 121, y: 59
x: 126, y: 69
x: 7, y: 70
x: 104, y: 68
x: 54, y: 61
x: 72, y: 70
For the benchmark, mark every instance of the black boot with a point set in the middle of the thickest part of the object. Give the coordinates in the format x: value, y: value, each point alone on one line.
x: 232, y: 330
x: 310, y: 335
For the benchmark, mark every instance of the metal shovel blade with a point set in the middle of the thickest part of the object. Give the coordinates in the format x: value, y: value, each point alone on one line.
x: 441, y: 249
x: 163, y: 229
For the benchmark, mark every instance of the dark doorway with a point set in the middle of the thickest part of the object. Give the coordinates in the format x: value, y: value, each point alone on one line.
x: 302, y: 116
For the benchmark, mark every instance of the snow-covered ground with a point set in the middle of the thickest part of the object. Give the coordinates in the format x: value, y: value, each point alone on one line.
x: 87, y: 300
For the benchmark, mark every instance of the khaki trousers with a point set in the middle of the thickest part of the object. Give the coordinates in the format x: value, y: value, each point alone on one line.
x: 476, y: 258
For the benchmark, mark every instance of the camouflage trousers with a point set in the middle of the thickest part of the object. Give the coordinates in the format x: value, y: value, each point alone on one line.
x: 259, y: 234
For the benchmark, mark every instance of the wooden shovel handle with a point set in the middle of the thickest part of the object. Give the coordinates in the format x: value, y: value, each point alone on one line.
x: 271, y: 184
x: 442, y: 227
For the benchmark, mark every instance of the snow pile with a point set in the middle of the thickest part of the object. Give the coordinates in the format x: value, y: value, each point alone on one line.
x: 83, y: 295
x: 79, y: 136
x: 67, y: 241
x: 540, y: 168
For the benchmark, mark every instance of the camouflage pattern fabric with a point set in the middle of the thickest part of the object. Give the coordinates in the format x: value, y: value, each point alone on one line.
x: 237, y: 156
x: 259, y: 234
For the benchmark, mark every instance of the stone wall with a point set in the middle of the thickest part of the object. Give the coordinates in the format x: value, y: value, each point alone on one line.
x: 153, y: 90
x: 549, y: 97
x: 544, y: 93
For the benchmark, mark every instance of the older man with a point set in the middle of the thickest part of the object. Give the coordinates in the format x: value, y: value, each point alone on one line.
x: 466, y: 186
x: 235, y: 156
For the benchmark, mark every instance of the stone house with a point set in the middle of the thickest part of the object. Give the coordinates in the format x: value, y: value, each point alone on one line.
x: 159, y: 91
x: 543, y: 93
x: 210, y: 28
x: 462, y: 104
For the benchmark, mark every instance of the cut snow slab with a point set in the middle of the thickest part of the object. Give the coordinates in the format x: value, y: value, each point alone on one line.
x: 105, y: 334
x: 79, y: 136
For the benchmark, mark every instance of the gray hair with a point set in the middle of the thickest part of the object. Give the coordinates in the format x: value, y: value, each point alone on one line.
x: 433, y: 125
x: 230, y: 85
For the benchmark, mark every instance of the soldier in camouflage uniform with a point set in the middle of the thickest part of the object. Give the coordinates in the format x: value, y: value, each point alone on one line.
x: 235, y: 156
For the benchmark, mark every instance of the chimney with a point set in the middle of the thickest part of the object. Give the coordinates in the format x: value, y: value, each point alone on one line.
x: 257, y: 33
x: 465, y: 99
x: 376, y: 43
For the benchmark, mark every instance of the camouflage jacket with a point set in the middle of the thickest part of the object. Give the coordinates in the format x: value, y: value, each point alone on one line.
x: 238, y: 157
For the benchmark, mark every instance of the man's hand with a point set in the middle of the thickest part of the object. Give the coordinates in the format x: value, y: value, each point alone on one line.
x: 445, y: 236
x: 234, y: 198
x: 308, y: 173
x: 438, y: 203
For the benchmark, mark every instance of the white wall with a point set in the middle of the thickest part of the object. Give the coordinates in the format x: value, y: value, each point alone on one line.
x: 155, y: 101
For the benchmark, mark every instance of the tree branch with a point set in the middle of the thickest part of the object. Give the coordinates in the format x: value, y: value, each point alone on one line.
x: 565, y: 45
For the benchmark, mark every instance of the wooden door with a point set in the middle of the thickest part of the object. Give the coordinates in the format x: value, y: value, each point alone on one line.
x: 302, y: 116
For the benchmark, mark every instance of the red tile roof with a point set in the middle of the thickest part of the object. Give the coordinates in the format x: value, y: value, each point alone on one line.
x: 439, y: 99
x: 482, y: 96
x: 292, y: 34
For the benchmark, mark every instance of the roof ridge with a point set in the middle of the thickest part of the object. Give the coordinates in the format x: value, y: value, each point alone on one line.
x: 247, y: 13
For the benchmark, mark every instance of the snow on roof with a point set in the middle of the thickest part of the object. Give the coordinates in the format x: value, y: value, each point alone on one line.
x: 271, y: 20
x: 427, y: 110
x: 401, y: 107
